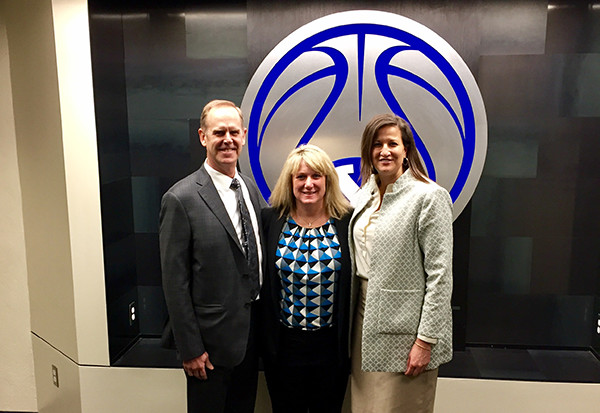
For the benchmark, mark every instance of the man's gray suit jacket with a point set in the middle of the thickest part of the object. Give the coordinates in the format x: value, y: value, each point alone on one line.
x: 205, y: 274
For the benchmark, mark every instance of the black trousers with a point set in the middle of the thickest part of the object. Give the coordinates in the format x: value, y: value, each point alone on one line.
x: 307, y: 376
x: 228, y: 390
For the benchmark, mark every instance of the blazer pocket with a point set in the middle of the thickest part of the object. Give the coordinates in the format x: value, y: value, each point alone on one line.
x: 210, y: 315
x: 399, y: 311
x: 209, y: 308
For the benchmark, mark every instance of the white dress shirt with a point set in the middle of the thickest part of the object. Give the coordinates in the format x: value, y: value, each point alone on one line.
x: 363, y: 235
x: 223, y: 184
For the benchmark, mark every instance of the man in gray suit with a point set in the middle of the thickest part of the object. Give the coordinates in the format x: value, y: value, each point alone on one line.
x: 211, y: 257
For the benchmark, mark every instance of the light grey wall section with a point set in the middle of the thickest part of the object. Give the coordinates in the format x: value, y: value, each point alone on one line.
x: 57, y: 151
x: 49, y: 142
x: 17, y: 386
x: 41, y: 167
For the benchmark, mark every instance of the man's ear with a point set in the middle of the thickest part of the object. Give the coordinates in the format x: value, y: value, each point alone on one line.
x: 245, y: 136
x: 202, y: 137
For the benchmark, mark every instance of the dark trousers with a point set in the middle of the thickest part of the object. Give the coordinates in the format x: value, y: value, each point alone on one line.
x: 307, y: 376
x: 228, y: 390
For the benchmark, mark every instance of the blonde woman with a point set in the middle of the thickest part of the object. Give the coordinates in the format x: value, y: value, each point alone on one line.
x: 305, y: 294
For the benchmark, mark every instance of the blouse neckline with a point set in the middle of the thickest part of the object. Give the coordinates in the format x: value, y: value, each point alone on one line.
x: 293, y: 222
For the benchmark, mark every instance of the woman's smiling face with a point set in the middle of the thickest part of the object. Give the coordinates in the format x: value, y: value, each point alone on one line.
x: 388, y: 153
x: 308, y: 185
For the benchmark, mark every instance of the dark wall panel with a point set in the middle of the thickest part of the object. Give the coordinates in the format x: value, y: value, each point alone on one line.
x: 110, y: 99
x: 573, y: 27
x: 532, y: 280
x: 155, y: 65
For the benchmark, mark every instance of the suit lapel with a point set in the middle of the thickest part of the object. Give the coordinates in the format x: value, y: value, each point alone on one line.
x: 208, y: 192
x: 253, y: 197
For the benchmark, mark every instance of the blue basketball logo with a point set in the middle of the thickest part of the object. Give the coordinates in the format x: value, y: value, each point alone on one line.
x: 327, y: 79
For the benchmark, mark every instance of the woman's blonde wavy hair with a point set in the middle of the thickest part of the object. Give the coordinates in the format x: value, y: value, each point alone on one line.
x: 282, y: 198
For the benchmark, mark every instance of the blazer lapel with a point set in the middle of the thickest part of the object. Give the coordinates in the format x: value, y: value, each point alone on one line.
x: 208, y: 192
x: 363, y: 197
x: 254, y: 198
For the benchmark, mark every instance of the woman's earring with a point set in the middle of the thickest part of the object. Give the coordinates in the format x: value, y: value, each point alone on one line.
x: 405, y: 163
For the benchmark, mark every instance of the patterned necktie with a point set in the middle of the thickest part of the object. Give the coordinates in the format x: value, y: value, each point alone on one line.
x: 248, y: 238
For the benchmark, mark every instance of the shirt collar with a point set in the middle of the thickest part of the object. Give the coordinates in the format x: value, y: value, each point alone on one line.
x: 220, y: 180
x: 402, y: 180
x: 395, y: 186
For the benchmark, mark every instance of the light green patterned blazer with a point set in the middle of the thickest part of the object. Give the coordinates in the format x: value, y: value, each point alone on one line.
x: 410, y: 278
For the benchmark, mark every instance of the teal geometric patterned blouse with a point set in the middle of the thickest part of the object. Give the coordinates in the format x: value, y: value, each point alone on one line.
x: 308, y: 263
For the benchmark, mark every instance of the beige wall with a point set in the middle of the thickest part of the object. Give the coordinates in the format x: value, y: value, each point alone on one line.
x: 51, y: 79
x: 41, y: 167
x: 500, y: 396
x: 82, y: 181
x: 54, y: 283
x: 17, y: 386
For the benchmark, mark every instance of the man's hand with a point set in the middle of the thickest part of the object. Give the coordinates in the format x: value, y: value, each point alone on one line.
x: 418, y: 358
x: 197, y: 367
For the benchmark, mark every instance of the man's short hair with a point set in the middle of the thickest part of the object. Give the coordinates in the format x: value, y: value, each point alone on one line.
x: 215, y: 104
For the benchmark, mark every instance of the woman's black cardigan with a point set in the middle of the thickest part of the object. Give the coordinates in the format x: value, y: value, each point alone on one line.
x: 269, y: 295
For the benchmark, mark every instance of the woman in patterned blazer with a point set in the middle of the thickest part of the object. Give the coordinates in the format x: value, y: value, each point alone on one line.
x: 306, y: 291
x: 401, y: 245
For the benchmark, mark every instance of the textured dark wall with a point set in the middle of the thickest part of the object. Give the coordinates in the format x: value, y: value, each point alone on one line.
x: 527, y: 260
x: 115, y: 178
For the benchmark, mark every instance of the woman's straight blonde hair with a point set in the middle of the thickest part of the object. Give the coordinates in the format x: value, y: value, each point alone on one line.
x: 282, y: 198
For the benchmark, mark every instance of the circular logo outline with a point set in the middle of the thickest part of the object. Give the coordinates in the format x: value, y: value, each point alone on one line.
x: 470, y: 122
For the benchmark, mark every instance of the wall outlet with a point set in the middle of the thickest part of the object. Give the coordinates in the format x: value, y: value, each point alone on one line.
x: 55, y: 375
x: 132, y: 313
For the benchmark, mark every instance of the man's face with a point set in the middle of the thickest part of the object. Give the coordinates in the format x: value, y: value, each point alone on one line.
x: 223, y: 136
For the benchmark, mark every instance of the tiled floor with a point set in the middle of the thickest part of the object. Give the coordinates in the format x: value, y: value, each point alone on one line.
x: 474, y: 362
